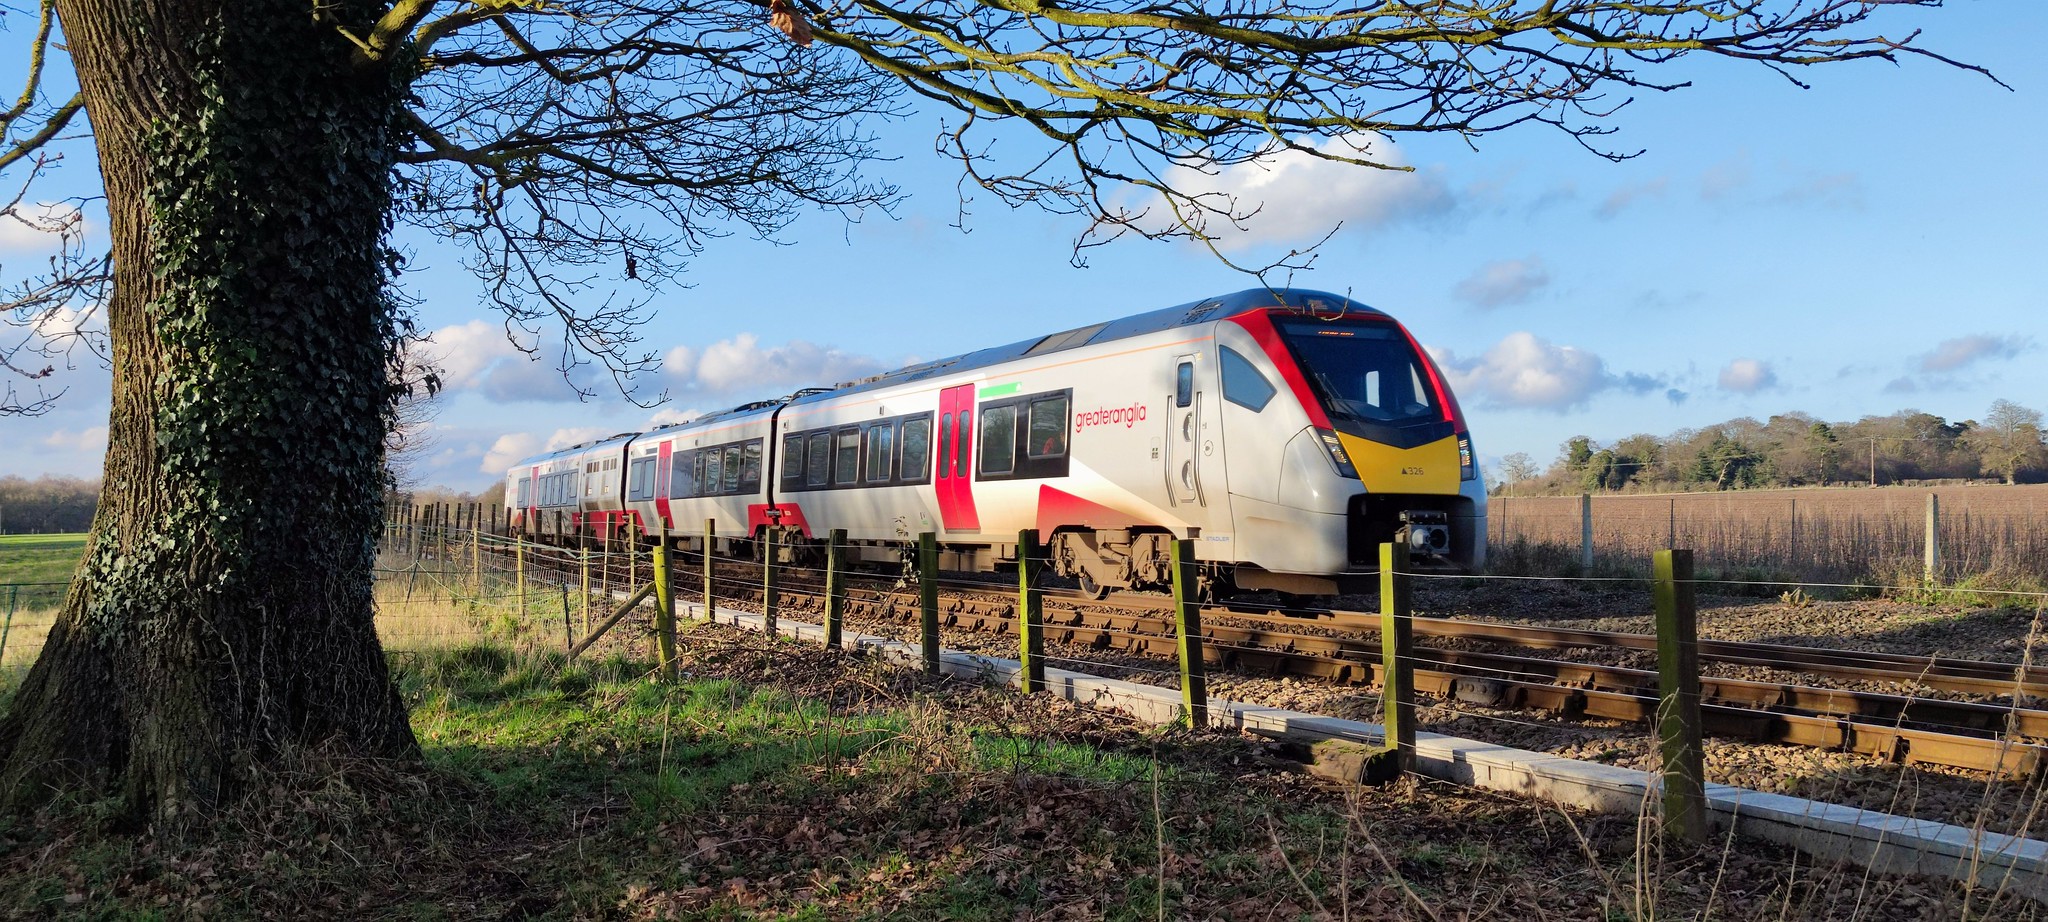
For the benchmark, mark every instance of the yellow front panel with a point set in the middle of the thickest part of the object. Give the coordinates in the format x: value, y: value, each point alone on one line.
x: 1431, y: 468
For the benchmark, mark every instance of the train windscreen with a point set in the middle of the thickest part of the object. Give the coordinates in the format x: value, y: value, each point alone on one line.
x: 1363, y: 372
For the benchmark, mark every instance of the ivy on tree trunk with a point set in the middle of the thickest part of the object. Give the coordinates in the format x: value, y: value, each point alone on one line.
x: 222, y: 616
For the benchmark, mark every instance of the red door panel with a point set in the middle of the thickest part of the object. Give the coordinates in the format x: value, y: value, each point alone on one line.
x: 661, y: 484
x: 954, y: 476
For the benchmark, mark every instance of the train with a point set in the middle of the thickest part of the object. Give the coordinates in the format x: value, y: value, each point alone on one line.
x: 1285, y: 433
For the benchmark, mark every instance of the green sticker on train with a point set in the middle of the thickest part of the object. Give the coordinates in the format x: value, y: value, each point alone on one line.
x: 1001, y: 389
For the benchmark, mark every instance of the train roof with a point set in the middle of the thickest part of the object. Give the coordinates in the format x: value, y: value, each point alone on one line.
x: 1319, y: 303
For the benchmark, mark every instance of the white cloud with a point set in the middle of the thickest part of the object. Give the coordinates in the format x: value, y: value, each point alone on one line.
x: 513, y: 446
x: 1524, y: 370
x: 1620, y: 199
x: 667, y: 415
x: 39, y: 227
x: 1747, y: 376
x: 1503, y: 282
x: 1300, y: 197
x: 90, y: 440
x: 1952, y: 354
x: 508, y: 448
x: 465, y: 353
x: 741, y: 366
x: 563, y: 438
x: 1835, y: 190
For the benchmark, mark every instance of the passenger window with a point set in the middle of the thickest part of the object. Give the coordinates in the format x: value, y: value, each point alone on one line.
x: 731, y: 483
x: 949, y: 442
x: 1048, y: 433
x: 792, y: 460
x: 1242, y: 383
x: 846, y: 468
x: 683, y: 478
x: 998, y: 440
x: 1184, y: 384
x: 636, y: 479
x: 750, y: 467
x: 881, y: 439
x: 711, y: 467
x: 525, y: 488
x: 818, y: 467
x: 917, y: 448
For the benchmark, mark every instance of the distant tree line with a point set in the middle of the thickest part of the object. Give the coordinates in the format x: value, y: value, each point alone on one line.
x: 1795, y: 449
x: 46, y: 504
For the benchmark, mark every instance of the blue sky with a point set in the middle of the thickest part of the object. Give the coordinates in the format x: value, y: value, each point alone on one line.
x: 1867, y: 245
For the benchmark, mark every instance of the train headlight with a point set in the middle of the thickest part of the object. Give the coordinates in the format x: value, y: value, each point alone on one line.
x: 1337, y: 455
x: 1468, y: 468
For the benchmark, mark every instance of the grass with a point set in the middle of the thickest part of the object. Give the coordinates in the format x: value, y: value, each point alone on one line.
x: 782, y: 782
x: 39, y: 560
x: 779, y: 781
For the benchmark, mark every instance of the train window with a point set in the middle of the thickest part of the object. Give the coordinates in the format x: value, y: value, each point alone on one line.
x: 732, y: 469
x: 846, y: 468
x: 818, y: 467
x: 1047, y: 436
x: 881, y: 439
x: 998, y: 439
x: 524, y: 486
x: 750, y: 467
x: 1184, y: 384
x: 1242, y: 383
x: 680, y: 483
x: 792, y: 461
x: 917, y: 447
x: 711, y: 465
x: 948, y: 442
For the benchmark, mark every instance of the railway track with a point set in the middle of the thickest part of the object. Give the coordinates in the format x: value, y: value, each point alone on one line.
x: 1980, y: 736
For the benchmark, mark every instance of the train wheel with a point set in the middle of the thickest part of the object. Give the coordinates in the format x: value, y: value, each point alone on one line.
x: 1090, y: 588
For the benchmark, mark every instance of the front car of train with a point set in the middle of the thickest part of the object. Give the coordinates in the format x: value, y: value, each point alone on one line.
x: 1384, y: 419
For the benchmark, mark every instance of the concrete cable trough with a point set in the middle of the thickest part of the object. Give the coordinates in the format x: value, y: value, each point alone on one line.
x: 1881, y: 841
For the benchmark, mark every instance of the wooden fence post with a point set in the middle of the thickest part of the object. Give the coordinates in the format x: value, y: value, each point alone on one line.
x: 583, y: 559
x: 1187, y: 632
x: 1933, y: 538
x: 1397, y: 666
x: 710, y: 596
x: 768, y: 593
x: 664, y: 609
x: 835, y: 585
x: 1030, y: 613
x: 476, y: 559
x: 1678, y: 705
x: 928, y: 598
x: 519, y: 575
x: 1585, y: 534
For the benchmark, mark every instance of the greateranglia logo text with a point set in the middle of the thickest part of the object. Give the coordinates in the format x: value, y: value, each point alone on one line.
x: 1121, y: 416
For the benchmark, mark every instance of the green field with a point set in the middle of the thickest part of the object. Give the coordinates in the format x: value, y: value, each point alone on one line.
x: 35, y: 570
x: 39, y: 559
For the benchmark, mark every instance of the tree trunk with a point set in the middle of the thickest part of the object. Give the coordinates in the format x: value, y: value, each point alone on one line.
x: 222, y: 615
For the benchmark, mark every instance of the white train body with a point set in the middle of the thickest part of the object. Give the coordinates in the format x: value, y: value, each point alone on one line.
x: 1285, y: 433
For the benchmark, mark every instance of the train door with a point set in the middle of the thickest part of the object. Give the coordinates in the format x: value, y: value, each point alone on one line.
x: 955, y: 471
x: 1184, y: 437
